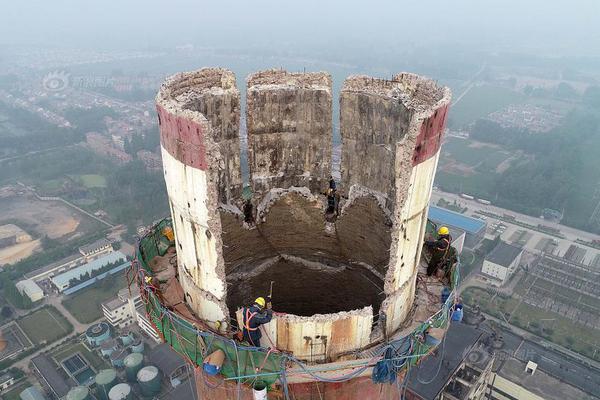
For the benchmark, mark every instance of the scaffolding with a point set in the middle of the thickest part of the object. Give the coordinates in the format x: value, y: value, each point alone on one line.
x: 246, y: 364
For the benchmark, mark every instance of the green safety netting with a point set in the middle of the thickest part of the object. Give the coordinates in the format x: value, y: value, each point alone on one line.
x: 243, y: 363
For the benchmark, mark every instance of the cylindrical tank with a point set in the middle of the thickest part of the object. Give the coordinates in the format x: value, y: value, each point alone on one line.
x: 97, y: 333
x: 105, y: 380
x: 107, y: 347
x: 133, y: 363
x: 122, y: 391
x: 117, y: 358
x: 137, y: 346
x: 149, y: 380
x: 126, y: 339
x: 78, y: 393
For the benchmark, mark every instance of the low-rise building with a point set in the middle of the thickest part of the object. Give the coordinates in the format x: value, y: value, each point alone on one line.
x: 48, y: 375
x: 145, y: 324
x: 29, y: 288
x: 501, y: 263
x: 6, y: 381
x: 97, y: 248
x: 120, y: 312
x: 63, y: 281
x: 474, y: 228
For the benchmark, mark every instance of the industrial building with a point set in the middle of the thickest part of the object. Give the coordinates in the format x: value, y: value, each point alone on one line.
x: 345, y: 281
x: 127, y: 308
x: 101, y: 246
x: 121, y: 311
x: 63, y: 281
x: 477, y: 364
x: 29, y: 288
x: 86, y: 254
x: 48, y: 375
x: 502, y: 262
x: 474, y: 228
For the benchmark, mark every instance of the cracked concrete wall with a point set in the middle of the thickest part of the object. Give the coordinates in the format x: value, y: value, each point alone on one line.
x: 289, y: 124
x: 391, y: 133
x: 199, y: 123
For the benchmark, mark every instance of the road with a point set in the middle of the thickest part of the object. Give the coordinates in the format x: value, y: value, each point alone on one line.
x: 470, y: 85
x: 570, y: 234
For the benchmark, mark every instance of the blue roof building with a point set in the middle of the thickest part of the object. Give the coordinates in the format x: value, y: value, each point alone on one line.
x: 62, y: 281
x: 473, y: 227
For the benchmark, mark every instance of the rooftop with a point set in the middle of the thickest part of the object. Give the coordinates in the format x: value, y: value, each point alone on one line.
x: 504, y: 254
x: 113, y: 304
x: 52, y: 266
x: 64, y: 278
x: 98, y: 244
x: 456, y: 220
x: 459, y: 339
x: 541, y: 383
x: 50, y: 373
x: 29, y: 286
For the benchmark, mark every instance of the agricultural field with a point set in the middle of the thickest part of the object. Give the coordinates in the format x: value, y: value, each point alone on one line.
x: 45, y: 325
x: 85, y: 304
x: 480, y: 101
x: 91, y: 181
x: 468, y: 166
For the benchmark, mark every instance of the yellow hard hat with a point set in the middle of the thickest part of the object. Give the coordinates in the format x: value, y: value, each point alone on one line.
x: 443, y: 230
x: 260, y: 301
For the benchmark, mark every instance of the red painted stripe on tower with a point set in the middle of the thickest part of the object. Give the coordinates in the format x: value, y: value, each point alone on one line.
x: 429, y: 139
x: 183, y: 139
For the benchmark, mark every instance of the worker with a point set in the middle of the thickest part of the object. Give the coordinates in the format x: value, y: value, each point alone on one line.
x: 440, y: 250
x: 333, y: 203
x: 257, y: 314
x: 331, y: 182
x: 248, y: 212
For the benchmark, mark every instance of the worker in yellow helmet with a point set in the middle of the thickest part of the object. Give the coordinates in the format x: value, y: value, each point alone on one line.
x: 254, y: 316
x: 440, y: 249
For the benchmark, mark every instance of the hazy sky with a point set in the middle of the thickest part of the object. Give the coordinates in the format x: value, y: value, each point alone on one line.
x: 553, y: 27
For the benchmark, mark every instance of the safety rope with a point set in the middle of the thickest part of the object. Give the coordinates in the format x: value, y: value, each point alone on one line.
x: 158, y: 314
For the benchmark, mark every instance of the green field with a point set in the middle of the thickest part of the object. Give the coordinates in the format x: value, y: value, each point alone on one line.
x: 465, y: 152
x: 93, y: 181
x: 45, y: 325
x: 481, y: 101
x: 85, y: 304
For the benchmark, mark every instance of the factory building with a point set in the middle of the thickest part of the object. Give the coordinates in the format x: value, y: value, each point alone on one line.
x: 502, y: 262
x: 64, y: 280
x: 29, y: 288
x: 120, y: 312
x: 474, y: 228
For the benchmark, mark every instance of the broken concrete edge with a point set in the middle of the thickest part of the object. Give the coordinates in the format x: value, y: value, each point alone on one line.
x: 415, y: 92
x: 194, y: 83
x: 282, y: 79
x: 275, y: 194
x: 357, y: 191
x: 365, y: 312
